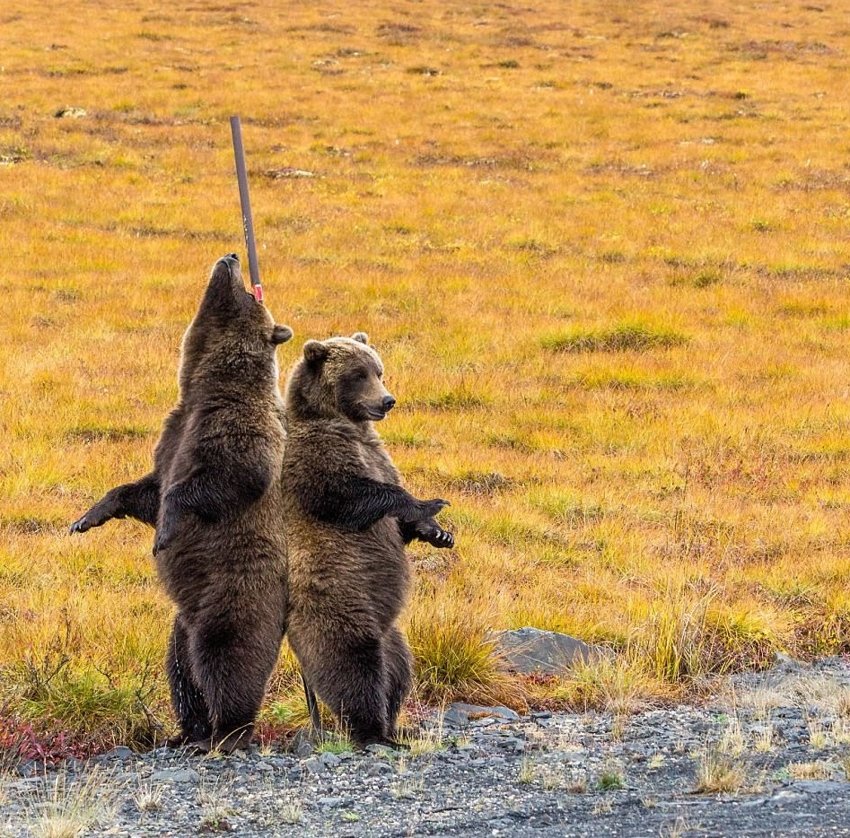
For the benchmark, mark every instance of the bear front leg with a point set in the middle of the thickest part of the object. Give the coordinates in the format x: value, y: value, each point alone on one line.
x: 428, y: 531
x: 188, y: 702
x: 209, y: 493
x: 356, y: 503
x: 139, y: 500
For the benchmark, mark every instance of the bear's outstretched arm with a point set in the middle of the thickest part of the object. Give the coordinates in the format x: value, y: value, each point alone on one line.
x: 139, y: 500
x: 429, y: 531
x: 355, y: 503
x: 211, y: 492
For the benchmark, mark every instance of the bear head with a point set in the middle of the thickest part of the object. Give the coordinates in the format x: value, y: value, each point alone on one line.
x: 232, y: 338
x: 338, y: 378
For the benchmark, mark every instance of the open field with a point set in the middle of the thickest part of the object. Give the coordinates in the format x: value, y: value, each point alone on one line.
x: 603, y: 251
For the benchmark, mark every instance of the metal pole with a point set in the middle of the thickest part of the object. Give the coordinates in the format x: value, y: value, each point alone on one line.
x: 245, y: 201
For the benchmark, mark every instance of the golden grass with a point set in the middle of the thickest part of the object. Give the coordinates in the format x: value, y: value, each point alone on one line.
x: 604, y: 256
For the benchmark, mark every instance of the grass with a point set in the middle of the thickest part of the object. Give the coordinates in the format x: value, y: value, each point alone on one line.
x: 719, y: 772
x: 61, y: 808
x: 605, y: 268
x: 627, y: 337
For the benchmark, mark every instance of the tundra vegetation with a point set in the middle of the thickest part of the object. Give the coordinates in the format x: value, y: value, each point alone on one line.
x: 604, y: 254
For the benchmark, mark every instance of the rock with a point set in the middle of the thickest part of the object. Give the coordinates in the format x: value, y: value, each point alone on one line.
x: 288, y: 172
x: 786, y: 664
x: 379, y: 750
x: 122, y: 752
x: 30, y: 768
x: 70, y: 113
x: 175, y: 775
x: 331, y: 802
x: 531, y: 651
x: 314, y: 765
x: 461, y: 714
x: 301, y: 744
x: 830, y: 787
x: 512, y: 743
x: 330, y: 760
x: 379, y: 768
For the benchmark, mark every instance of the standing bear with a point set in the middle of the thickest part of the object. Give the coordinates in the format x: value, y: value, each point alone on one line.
x: 214, y: 497
x: 347, y: 520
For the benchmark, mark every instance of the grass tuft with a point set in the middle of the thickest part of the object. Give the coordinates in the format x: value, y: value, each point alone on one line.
x: 719, y: 772
x: 627, y: 337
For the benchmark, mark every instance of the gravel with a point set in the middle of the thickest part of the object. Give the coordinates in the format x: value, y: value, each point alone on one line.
x: 545, y: 774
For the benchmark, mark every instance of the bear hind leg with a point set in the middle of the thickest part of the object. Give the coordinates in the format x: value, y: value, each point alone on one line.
x: 351, y: 679
x: 187, y: 699
x: 233, y: 662
x: 399, y: 676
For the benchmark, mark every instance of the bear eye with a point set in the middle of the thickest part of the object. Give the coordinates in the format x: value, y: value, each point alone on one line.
x: 363, y: 374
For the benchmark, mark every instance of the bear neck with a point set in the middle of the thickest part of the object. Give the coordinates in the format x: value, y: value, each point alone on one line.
x: 238, y: 377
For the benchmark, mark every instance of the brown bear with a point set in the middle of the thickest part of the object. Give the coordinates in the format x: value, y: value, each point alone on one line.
x: 214, y: 498
x: 347, y: 521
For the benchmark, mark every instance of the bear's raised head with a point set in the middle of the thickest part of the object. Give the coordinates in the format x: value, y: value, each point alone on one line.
x: 338, y: 378
x: 233, y: 337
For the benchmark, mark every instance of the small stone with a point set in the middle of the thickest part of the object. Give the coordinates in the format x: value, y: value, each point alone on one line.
x: 512, y: 743
x: 314, y: 765
x: 376, y: 769
x: 30, y: 768
x: 330, y: 760
x: 331, y: 802
x: 379, y: 750
x: 122, y: 752
x: 70, y: 113
x: 175, y: 775
x: 301, y: 744
x: 289, y: 172
x: 461, y: 714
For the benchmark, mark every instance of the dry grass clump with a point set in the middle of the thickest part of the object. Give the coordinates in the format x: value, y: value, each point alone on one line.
x: 612, y: 312
x: 62, y: 808
x: 719, y: 772
x: 627, y: 337
x: 455, y: 659
x: 817, y: 770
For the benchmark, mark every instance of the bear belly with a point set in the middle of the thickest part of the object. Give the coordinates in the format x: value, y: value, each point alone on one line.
x: 333, y: 572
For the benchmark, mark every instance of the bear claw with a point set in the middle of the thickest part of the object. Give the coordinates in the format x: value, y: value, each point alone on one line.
x: 80, y: 525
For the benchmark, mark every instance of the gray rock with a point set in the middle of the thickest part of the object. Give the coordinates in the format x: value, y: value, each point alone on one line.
x: 122, y: 752
x: 330, y: 760
x: 175, y: 775
x: 331, y: 802
x: 376, y: 769
x: 818, y: 786
x: 535, y: 651
x: 301, y: 746
x: 461, y: 714
x: 314, y: 765
x: 30, y: 768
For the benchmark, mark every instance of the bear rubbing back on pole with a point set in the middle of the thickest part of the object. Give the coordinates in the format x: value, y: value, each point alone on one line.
x: 347, y: 521
x: 214, y: 498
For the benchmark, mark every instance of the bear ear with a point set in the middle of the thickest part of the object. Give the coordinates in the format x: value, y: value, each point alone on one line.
x: 315, y: 352
x: 281, y: 334
x: 360, y: 337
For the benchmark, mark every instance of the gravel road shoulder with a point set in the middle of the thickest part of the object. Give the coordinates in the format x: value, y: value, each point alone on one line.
x: 780, y: 742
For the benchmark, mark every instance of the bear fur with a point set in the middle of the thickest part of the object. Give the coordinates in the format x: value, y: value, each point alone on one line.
x: 214, y: 498
x: 348, y: 519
